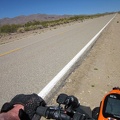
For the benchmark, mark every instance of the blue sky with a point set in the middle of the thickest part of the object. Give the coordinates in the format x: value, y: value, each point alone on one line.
x: 13, y: 8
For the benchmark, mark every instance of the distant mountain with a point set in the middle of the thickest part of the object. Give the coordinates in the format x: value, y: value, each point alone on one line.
x: 24, y: 19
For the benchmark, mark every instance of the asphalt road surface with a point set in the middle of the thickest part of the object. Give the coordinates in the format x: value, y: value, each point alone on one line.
x: 27, y: 65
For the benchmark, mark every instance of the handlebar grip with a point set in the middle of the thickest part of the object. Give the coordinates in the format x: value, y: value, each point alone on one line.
x: 64, y: 116
x: 49, y: 113
x: 41, y: 111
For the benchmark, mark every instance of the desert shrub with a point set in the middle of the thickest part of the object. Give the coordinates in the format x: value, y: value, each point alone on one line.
x: 21, y: 30
x: 44, y: 24
x: 31, y: 28
x: 9, y: 28
x: 28, y: 24
x: 39, y: 26
x: 32, y: 23
x: 27, y: 28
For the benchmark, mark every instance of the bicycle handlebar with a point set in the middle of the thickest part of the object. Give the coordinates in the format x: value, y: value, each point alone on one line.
x: 52, y: 113
x: 58, y: 113
x: 70, y: 109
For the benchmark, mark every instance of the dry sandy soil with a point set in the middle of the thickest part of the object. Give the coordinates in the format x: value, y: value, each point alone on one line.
x: 100, y: 71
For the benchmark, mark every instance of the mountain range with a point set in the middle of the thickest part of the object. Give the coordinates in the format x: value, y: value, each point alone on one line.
x: 24, y: 19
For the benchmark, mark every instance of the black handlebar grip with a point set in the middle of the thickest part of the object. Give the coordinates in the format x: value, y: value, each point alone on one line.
x: 64, y: 116
x: 41, y: 111
x: 49, y: 113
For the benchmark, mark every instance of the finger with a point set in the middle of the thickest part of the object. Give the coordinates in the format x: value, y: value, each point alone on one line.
x: 22, y: 115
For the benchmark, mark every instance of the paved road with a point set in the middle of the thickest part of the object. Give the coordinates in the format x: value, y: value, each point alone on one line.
x: 26, y: 66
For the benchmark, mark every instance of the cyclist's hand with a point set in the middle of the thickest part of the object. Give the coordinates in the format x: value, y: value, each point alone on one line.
x: 30, y: 103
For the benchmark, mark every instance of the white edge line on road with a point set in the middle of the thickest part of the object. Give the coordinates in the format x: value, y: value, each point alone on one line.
x: 46, y: 90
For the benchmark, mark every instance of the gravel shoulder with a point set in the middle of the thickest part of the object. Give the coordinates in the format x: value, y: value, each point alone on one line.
x: 99, y: 72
